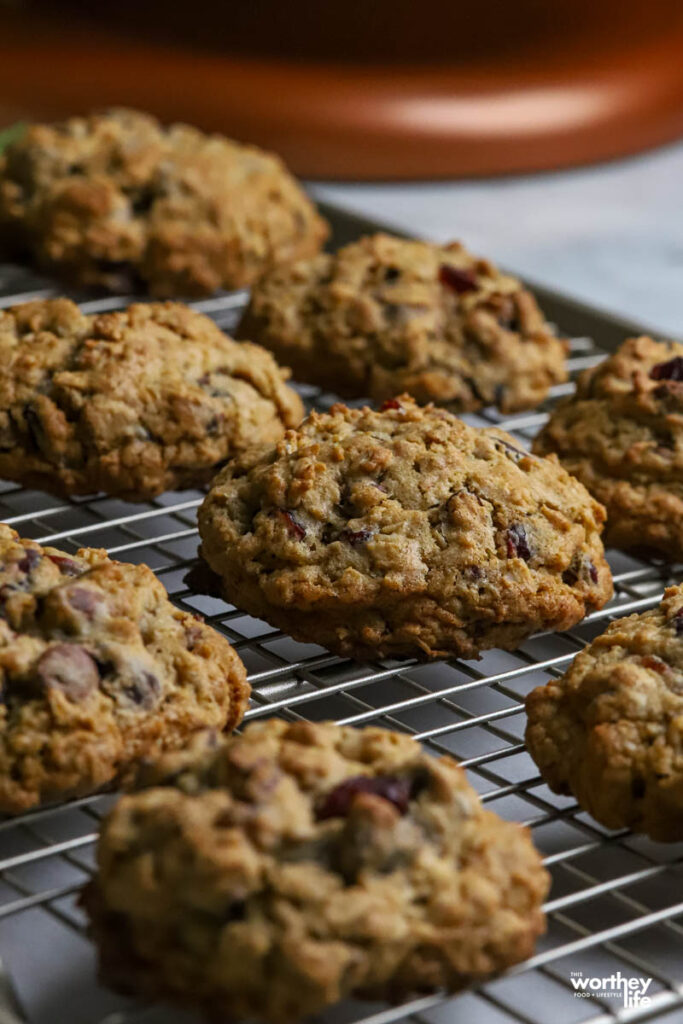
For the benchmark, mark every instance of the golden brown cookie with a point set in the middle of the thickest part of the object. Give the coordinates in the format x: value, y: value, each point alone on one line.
x: 117, y: 200
x: 299, y: 864
x: 610, y: 731
x: 134, y: 403
x: 621, y: 434
x: 98, y: 670
x: 404, y: 531
x: 385, y: 315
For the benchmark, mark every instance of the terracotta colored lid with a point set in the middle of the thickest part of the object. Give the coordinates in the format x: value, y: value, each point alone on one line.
x: 552, y: 97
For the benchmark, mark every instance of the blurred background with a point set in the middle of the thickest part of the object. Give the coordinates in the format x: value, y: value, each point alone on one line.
x: 544, y: 134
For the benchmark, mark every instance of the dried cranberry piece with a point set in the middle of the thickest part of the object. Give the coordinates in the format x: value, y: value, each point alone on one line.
x: 391, y: 403
x: 671, y: 370
x: 655, y: 663
x: 580, y: 567
x: 678, y: 623
x: 29, y: 561
x: 145, y: 690
x: 67, y: 566
x: 337, y: 804
x: 83, y: 600
x: 517, y: 542
x: 294, y: 527
x: 459, y: 281
x: 68, y: 668
x: 355, y: 537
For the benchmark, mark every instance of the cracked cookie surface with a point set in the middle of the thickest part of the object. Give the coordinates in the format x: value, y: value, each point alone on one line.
x: 621, y: 434
x: 298, y: 864
x: 385, y: 315
x: 610, y: 731
x: 116, y: 200
x: 404, y: 531
x: 134, y: 403
x: 98, y: 670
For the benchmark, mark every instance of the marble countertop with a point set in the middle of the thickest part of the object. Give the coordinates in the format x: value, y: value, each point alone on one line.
x: 611, y: 234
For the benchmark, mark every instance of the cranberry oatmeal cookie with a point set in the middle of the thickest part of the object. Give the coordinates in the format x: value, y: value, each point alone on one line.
x: 610, y: 731
x: 98, y: 669
x: 117, y: 200
x: 299, y: 864
x: 621, y: 434
x: 134, y: 403
x: 404, y: 531
x: 385, y: 315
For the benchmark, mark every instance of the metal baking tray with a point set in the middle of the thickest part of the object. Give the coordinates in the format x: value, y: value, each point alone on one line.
x: 616, y: 906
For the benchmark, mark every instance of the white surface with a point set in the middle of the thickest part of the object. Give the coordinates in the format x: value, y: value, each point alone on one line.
x: 611, y: 234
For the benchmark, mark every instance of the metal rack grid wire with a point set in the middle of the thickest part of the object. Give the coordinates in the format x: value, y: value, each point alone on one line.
x: 616, y: 903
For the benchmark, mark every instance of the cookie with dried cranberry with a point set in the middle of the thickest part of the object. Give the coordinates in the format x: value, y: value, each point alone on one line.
x: 297, y: 864
x: 610, y: 731
x: 117, y: 200
x: 133, y: 403
x: 98, y: 670
x: 404, y: 531
x: 621, y: 434
x: 385, y: 315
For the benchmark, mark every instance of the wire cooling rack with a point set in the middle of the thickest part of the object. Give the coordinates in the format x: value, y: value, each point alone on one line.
x: 616, y: 907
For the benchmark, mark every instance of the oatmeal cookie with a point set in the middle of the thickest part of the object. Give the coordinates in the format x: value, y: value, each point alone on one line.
x: 299, y: 864
x: 621, y: 434
x: 134, y: 403
x: 404, y: 531
x: 117, y: 200
x: 610, y: 731
x: 385, y: 315
x: 98, y: 669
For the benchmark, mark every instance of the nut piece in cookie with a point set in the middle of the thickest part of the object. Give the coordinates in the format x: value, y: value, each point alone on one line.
x: 385, y: 315
x: 97, y: 671
x: 404, y: 531
x: 610, y: 731
x: 621, y: 434
x: 297, y: 864
x: 116, y: 200
x: 134, y: 403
